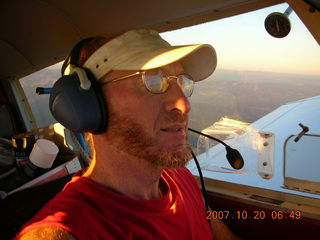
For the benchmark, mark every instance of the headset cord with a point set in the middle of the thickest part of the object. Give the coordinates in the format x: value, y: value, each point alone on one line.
x: 202, y: 184
x: 81, y: 151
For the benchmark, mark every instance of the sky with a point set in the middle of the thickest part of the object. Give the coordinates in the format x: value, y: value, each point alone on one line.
x: 242, y: 43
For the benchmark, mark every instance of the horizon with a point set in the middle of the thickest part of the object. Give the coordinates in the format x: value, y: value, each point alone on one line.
x: 58, y: 66
x: 225, y: 93
x: 267, y: 72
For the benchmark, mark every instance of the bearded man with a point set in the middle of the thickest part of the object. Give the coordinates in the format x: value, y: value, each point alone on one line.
x: 137, y: 186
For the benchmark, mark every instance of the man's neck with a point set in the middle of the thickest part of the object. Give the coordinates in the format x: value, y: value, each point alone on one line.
x: 124, y: 173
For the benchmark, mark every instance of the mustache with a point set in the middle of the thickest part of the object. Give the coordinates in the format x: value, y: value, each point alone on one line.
x: 176, y: 117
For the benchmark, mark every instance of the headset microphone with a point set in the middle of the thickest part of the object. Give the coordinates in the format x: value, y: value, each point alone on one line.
x: 234, y: 157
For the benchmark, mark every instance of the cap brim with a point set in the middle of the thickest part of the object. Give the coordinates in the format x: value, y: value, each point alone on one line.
x: 199, y: 61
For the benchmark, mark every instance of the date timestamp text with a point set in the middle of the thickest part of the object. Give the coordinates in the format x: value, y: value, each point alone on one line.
x: 254, y: 215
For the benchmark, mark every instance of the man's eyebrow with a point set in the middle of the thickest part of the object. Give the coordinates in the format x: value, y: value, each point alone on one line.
x: 167, y: 73
x: 124, y: 77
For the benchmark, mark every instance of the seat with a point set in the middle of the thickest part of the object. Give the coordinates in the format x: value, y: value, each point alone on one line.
x: 8, y: 127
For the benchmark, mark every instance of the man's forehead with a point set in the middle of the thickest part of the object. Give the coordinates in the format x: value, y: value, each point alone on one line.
x: 116, y: 74
x: 176, y: 66
x: 172, y: 68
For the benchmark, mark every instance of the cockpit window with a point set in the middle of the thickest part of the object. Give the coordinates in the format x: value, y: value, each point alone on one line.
x: 262, y: 89
x: 256, y: 73
x: 40, y: 103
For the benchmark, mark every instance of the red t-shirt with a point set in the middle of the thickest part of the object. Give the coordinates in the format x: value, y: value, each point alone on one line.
x: 90, y: 211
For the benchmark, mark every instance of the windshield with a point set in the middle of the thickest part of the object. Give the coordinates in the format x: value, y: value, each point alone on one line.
x: 256, y: 73
x: 257, y: 82
x: 39, y: 104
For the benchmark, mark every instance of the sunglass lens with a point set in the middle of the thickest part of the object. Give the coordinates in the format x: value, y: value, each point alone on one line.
x: 186, y: 83
x: 155, y: 81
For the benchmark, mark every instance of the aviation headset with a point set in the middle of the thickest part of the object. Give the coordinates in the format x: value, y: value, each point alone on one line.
x: 76, y: 99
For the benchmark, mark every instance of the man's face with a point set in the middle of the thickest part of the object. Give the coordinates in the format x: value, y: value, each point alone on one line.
x: 146, y: 125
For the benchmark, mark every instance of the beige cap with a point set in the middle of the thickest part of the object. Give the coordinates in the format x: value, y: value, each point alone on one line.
x: 144, y: 49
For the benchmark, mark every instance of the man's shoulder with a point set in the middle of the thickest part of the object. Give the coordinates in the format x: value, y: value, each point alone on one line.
x: 46, y: 233
x: 77, y: 186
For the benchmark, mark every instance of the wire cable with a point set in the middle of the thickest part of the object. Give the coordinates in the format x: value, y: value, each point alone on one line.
x: 208, y: 136
x: 202, y: 183
x: 233, y: 155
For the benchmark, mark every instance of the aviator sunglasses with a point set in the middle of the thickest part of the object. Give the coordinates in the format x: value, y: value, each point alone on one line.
x: 157, y: 82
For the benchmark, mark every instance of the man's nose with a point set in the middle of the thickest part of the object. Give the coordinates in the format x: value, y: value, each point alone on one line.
x: 176, y: 100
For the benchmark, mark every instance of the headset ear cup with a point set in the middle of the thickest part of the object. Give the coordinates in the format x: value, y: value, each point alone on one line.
x: 79, y: 105
x: 77, y: 109
x: 103, y: 107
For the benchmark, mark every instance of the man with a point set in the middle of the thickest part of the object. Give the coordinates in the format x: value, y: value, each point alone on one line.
x: 137, y: 186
